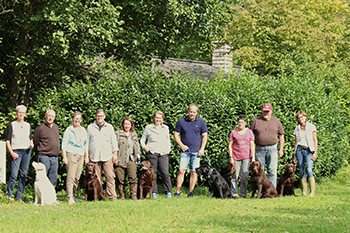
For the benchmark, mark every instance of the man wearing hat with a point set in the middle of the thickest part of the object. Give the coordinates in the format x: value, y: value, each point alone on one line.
x: 267, y: 130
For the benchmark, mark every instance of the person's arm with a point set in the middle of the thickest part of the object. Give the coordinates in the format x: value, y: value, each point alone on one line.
x: 179, y: 142
x: 280, y: 153
x: 204, y: 143
x: 230, y: 143
x: 252, y: 150
x: 143, y: 140
x: 295, y: 148
x: 9, y: 147
x: 64, y: 157
x: 314, y: 136
x: 64, y: 146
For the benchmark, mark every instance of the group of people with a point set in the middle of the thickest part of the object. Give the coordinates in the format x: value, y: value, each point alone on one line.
x: 259, y: 143
x: 118, y: 152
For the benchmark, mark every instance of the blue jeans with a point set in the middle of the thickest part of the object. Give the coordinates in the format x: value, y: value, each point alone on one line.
x: 22, y: 162
x: 51, y: 165
x: 304, y: 158
x: 268, y: 155
x: 188, y: 157
x: 242, y: 168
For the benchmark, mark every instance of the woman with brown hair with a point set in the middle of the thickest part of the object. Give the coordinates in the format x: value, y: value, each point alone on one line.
x: 305, y: 151
x: 128, y: 155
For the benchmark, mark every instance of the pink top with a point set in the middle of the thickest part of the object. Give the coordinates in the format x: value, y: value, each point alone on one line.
x: 241, y: 144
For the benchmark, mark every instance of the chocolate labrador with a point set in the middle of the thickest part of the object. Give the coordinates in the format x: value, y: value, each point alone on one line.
x: 92, y: 185
x: 285, y: 185
x: 261, y: 182
x: 146, y: 180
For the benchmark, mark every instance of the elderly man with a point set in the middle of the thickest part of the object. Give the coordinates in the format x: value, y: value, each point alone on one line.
x: 194, y: 136
x: 47, y: 144
x: 267, y: 129
x: 103, y: 150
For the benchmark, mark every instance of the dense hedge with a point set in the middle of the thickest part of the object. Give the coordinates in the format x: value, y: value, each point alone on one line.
x: 139, y: 93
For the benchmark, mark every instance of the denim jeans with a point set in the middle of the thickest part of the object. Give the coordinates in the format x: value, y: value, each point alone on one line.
x: 304, y: 158
x: 242, y: 168
x: 268, y: 155
x: 51, y: 165
x: 22, y: 162
x: 188, y: 157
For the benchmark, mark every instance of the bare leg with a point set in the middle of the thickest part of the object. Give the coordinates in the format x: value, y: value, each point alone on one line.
x: 193, y: 180
x: 180, y: 179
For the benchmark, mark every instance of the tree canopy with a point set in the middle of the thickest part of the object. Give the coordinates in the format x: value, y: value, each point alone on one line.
x: 263, y: 33
x: 46, y: 43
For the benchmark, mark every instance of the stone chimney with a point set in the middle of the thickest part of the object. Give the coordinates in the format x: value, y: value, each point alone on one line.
x: 222, y: 57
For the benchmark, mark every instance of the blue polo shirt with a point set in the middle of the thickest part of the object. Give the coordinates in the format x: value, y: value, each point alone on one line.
x: 191, y: 132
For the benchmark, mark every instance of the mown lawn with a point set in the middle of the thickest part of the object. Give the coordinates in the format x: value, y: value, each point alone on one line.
x: 329, y: 211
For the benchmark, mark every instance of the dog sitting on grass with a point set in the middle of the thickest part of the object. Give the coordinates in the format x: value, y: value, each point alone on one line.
x: 217, y: 184
x: 45, y: 193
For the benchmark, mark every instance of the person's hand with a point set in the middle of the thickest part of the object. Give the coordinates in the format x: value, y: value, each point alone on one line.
x: 115, y: 159
x: 31, y: 144
x: 280, y: 153
x: 86, y: 160
x: 200, y: 153
x: 14, y: 156
x: 65, y: 160
x: 184, y: 148
x: 314, y: 156
x: 295, y: 160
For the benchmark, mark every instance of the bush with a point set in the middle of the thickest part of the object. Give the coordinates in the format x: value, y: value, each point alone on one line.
x: 139, y: 93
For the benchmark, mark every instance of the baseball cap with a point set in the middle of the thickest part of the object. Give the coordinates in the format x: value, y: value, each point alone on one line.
x: 267, y: 107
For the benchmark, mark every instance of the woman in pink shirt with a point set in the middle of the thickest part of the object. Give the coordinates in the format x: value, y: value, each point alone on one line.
x: 241, y: 148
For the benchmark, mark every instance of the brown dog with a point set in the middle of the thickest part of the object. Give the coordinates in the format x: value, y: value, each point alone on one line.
x: 92, y: 185
x: 285, y: 185
x: 261, y: 182
x: 146, y: 180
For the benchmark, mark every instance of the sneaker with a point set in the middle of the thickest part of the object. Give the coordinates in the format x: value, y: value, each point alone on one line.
x: 168, y: 195
x: 177, y: 195
x: 190, y: 194
x: 71, y: 201
x: 75, y: 200
x: 235, y: 197
x: 154, y: 196
x: 19, y: 200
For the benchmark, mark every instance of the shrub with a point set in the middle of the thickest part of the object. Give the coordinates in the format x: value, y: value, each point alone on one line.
x: 139, y: 93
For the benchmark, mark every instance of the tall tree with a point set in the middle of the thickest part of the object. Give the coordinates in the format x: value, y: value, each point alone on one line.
x: 263, y: 33
x: 46, y: 43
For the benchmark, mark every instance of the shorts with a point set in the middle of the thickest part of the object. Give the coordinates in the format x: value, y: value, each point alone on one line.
x: 186, y: 157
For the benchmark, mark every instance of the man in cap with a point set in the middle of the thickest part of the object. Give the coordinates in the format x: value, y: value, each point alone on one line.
x: 267, y: 130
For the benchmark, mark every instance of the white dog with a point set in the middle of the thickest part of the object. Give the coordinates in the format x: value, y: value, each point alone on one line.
x: 44, y: 191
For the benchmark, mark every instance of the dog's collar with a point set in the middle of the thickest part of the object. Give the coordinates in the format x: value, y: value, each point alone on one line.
x: 210, y: 172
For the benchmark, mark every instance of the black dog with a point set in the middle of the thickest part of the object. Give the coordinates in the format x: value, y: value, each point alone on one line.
x: 217, y: 184
x: 285, y: 185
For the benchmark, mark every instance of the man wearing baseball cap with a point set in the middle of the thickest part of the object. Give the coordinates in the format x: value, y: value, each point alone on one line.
x: 267, y: 130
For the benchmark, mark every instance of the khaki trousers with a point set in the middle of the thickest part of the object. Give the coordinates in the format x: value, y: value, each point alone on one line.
x: 74, y: 168
x: 110, y: 176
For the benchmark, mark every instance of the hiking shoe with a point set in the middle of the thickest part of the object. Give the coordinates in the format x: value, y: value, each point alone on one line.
x: 19, y: 200
x: 75, y: 200
x: 71, y: 201
x: 190, y: 194
x: 168, y: 195
x: 235, y: 197
x: 154, y: 195
x: 177, y: 195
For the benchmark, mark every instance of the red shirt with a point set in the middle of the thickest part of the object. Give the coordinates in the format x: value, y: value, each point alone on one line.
x: 241, y: 144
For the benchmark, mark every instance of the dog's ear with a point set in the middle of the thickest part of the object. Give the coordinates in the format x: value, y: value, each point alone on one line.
x: 260, y: 166
x: 150, y: 164
x: 286, y: 166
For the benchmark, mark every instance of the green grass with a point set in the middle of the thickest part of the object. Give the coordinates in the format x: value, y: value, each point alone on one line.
x: 329, y: 211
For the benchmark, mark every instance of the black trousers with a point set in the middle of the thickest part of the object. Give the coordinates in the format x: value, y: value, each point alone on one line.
x: 160, y: 162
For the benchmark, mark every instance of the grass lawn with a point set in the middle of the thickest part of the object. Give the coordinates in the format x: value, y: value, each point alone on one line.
x: 329, y: 211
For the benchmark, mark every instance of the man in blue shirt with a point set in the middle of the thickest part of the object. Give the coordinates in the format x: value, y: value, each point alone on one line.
x: 194, y: 136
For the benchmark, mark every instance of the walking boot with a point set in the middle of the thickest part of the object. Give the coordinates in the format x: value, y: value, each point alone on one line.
x: 312, y: 186
x: 303, y: 184
x: 133, y: 191
x: 121, y: 191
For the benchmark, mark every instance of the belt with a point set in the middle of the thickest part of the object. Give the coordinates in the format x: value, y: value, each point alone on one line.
x: 303, y: 147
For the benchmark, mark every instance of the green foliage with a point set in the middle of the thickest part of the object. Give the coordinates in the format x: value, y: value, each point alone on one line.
x: 139, y: 93
x: 263, y: 32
